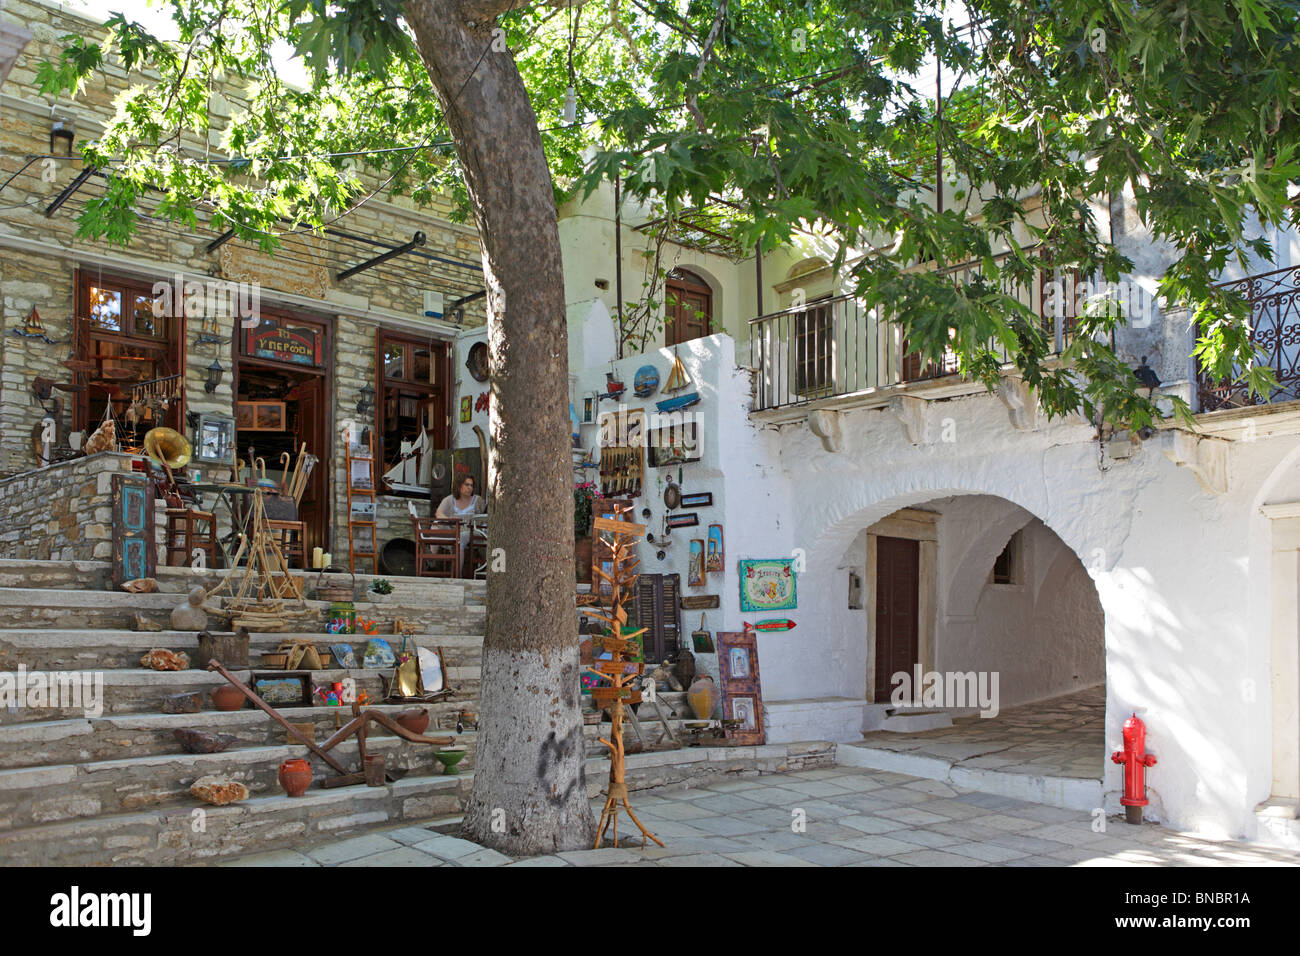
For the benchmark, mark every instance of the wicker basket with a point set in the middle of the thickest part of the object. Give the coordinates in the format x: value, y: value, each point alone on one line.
x: 333, y: 591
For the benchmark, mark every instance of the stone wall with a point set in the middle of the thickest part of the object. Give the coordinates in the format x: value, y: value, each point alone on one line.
x: 63, y: 512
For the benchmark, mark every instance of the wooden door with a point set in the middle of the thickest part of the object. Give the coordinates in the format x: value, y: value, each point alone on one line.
x: 898, y: 579
x: 314, y: 509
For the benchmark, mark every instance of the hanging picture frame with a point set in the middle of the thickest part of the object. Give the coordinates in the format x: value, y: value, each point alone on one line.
x: 688, y: 519
x: 695, y: 575
x: 767, y: 584
x: 700, y: 499
x: 714, y: 554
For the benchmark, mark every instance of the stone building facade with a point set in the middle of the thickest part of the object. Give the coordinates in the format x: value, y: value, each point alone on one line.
x: 46, y: 268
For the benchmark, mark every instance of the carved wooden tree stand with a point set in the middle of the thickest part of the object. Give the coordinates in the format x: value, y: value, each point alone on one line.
x: 618, y: 670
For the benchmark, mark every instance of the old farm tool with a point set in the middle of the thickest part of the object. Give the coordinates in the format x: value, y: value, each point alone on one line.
x: 357, y: 726
x: 618, y: 669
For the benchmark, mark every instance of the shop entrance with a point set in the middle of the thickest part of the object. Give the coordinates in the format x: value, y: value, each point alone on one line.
x: 281, y: 384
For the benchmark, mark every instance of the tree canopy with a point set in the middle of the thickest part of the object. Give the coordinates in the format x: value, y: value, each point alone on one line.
x: 777, y: 116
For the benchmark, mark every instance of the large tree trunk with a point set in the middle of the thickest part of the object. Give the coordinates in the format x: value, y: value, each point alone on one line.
x: 530, y: 793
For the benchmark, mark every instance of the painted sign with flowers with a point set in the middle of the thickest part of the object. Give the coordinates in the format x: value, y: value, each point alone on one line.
x: 767, y: 585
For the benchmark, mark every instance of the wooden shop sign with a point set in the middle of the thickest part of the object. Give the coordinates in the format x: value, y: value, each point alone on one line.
x: 700, y: 602
x: 604, y: 696
x: 291, y: 344
x: 620, y: 527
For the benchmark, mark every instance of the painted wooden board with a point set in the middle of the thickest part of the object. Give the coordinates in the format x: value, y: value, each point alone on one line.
x: 700, y: 602
x: 618, y: 668
x: 134, y: 552
x: 621, y: 527
x: 605, y: 696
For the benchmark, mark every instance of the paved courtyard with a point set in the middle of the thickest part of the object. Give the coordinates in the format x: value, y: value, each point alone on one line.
x: 853, y: 818
x: 1060, y: 737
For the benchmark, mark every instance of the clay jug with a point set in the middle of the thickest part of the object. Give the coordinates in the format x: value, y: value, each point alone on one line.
x: 228, y: 697
x: 295, y: 776
x: 703, y: 697
x: 415, y: 720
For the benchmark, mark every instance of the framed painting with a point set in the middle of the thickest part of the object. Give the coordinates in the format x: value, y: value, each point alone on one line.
x: 466, y: 409
x: 742, y: 691
x: 767, y: 585
x: 701, y: 499
x: 687, y: 519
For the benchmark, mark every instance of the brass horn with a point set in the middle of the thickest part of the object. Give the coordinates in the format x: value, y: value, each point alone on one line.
x: 168, y: 447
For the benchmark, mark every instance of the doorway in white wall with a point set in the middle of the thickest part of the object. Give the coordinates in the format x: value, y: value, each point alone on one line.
x: 985, y: 653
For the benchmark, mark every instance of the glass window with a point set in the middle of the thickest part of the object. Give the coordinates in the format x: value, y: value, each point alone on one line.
x: 423, y: 366
x: 395, y: 361
x: 105, y: 309
x: 146, y: 322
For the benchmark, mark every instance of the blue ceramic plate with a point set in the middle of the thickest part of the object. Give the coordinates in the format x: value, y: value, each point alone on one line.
x: 646, y: 381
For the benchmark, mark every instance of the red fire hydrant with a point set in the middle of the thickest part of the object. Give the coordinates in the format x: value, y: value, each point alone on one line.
x: 1135, y: 760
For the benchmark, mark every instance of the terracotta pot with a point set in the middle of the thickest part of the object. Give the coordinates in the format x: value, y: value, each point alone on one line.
x: 228, y: 698
x: 703, y: 697
x: 582, y: 560
x: 415, y: 720
x: 295, y: 776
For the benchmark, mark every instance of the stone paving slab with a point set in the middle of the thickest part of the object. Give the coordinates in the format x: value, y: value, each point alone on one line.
x: 909, y: 822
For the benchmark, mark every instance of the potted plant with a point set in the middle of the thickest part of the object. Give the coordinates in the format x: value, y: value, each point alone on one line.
x: 381, y: 589
x: 584, y: 495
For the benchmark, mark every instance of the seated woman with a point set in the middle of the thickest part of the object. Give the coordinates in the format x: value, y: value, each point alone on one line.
x: 462, y: 503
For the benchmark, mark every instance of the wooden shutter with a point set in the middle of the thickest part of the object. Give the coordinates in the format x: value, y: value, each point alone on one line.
x: 657, y: 611
x: 671, y: 616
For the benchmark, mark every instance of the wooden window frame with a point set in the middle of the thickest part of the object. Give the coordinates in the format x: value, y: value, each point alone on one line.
x: 814, y: 347
x: 170, y: 346
x: 440, y: 353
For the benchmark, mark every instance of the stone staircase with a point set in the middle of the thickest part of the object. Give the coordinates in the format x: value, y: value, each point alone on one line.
x: 111, y: 786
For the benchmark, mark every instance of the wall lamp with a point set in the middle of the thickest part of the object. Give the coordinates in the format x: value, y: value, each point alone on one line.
x: 215, y: 371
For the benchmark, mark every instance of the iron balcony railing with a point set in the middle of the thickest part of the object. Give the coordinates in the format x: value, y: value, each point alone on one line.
x: 1274, y: 299
x: 833, y: 346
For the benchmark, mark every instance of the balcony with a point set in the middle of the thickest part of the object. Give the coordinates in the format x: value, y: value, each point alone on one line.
x: 1274, y: 299
x: 831, y: 348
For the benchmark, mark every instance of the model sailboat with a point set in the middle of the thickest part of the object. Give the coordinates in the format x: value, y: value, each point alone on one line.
x: 413, y: 469
x: 677, y: 380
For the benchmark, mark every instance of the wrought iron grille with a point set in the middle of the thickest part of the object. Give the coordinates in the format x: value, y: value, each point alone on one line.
x: 1274, y: 299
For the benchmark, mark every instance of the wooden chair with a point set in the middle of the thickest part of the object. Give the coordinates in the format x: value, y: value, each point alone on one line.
x: 437, y: 542
x: 189, y: 528
x: 291, y: 537
x: 476, y: 552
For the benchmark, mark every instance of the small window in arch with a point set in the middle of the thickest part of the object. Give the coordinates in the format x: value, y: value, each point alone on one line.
x: 1008, y: 566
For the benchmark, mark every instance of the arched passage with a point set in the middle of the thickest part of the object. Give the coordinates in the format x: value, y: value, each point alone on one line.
x: 985, y: 646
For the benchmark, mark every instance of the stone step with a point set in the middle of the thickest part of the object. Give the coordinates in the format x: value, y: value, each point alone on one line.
x: 95, y: 575
x: 88, y: 648
x: 86, y: 740
x: 179, y: 835
x: 30, y: 796
x: 66, y: 608
x: 142, y: 691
